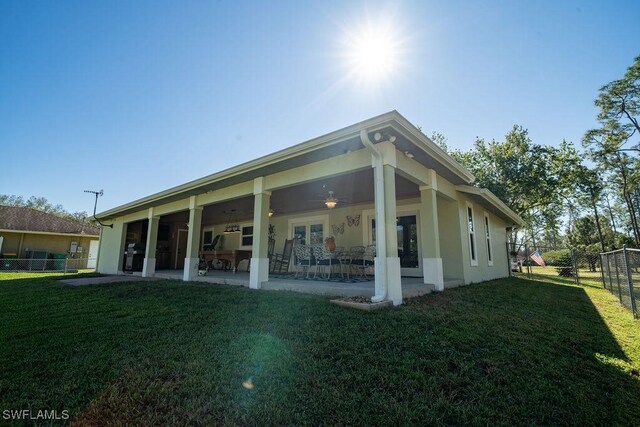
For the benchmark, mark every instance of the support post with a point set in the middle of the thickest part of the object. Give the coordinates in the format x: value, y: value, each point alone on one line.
x: 149, y: 263
x: 604, y: 284
x: 628, y: 273
x: 394, y: 282
x: 259, y: 257
x: 192, y: 258
x: 615, y: 260
x: 430, y: 236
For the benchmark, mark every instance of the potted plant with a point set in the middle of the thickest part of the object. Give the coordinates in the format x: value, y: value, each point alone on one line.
x: 330, y: 243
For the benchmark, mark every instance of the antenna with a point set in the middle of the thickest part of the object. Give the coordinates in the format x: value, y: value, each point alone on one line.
x: 97, y: 194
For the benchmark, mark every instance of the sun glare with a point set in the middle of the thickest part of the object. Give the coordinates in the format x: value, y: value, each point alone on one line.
x: 372, y: 54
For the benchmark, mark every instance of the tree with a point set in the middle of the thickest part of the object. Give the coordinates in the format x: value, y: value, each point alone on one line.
x: 532, y: 179
x: 615, y: 144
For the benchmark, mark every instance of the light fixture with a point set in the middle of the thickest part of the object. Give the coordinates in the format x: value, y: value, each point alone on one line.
x: 231, y: 227
x: 331, y: 201
x: 409, y: 154
x: 378, y: 137
x: 271, y: 212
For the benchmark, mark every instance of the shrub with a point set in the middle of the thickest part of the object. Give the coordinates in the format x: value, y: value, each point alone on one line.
x: 562, y: 259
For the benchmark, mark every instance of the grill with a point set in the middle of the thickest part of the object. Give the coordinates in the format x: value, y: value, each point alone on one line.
x: 134, y: 257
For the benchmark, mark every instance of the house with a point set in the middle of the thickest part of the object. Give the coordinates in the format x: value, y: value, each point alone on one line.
x: 26, y: 231
x: 379, y: 182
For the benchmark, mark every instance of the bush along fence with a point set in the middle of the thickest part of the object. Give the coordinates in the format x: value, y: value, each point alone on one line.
x: 46, y: 265
x: 621, y: 276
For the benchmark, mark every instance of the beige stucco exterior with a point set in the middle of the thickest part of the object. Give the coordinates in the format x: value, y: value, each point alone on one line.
x: 416, y: 179
x: 16, y: 242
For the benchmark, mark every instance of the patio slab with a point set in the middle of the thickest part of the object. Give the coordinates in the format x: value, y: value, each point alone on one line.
x: 411, y: 286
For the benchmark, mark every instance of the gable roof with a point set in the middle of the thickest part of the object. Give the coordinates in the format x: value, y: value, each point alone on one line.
x: 27, y: 219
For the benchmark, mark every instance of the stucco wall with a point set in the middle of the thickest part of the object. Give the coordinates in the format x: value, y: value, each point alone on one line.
x: 10, y: 243
x: 43, y: 242
x: 482, y: 271
x: 450, y: 244
x: 112, y: 248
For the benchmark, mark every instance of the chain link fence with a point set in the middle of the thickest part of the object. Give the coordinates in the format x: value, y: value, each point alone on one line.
x: 621, y: 276
x: 48, y: 265
x: 618, y: 271
x: 569, y: 264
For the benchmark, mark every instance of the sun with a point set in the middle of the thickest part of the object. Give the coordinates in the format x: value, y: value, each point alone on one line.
x: 372, y: 54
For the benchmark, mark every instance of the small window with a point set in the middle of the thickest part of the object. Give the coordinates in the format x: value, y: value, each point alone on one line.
x: 472, y: 236
x: 247, y: 235
x: 207, y: 239
x: 487, y: 229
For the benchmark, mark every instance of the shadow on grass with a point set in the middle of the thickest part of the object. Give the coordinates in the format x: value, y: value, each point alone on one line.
x: 508, y: 351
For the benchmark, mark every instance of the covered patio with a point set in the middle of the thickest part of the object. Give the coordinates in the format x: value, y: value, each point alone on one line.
x: 411, y: 286
x: 381, y: 185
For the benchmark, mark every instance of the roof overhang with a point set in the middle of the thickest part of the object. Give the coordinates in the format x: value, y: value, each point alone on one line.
x: 48, y: 233
x: 320, y: 148
x: 492, y: 203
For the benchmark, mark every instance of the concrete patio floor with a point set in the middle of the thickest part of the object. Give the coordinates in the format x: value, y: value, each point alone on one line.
x: 411, y: 286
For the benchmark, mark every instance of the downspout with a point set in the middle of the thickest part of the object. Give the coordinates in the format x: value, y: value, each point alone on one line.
x: 381, y: 240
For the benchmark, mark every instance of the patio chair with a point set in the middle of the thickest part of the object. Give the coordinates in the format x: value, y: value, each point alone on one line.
x: 363, y: 258
x: 324, y: 257
x: 303, y: 258
x: 344, y: 256
x: 280, y: 262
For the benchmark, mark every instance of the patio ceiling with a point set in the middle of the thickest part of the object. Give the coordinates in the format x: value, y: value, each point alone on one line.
x: 350, y: 189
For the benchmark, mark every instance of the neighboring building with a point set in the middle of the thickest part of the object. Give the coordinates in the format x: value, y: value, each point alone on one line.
x: 432, y: 223
x: 24, y: 231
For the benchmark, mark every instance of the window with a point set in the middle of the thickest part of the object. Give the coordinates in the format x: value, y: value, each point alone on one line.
x: 207, y: 238
x: 309, y: 231
x: 472, y: 236
x: 487, y: 230
x: 246, y: 236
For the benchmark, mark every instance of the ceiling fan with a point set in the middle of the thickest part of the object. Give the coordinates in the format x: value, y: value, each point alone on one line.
x: 330, y: 201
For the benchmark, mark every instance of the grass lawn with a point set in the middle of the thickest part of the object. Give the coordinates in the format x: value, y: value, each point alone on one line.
x: 510, y: 351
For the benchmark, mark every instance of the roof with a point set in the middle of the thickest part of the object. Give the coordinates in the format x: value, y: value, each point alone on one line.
x: 313, y: 150
x: 24, y: 219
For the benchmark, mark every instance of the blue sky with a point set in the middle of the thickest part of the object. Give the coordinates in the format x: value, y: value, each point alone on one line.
x: 134, y: 97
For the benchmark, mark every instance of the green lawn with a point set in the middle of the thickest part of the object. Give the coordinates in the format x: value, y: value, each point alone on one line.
x: 509, y: 351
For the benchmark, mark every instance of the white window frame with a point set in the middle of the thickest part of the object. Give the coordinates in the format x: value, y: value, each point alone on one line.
x: 240, y: 245
x: 488, y: 239
x: 471, y: 233
x: 308, y: 221
x: 204, y: 230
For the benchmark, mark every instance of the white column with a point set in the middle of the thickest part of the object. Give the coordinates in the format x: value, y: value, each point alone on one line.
x: 193, y: 241
x: 259, y: 256
x: 149, y: 263
x: 394, y: 283
x: 430, y: 236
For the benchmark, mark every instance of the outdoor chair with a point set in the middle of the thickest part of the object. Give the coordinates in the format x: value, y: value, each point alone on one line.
x: 280, y: 262
x: 303, y: 258
x: 363, y: 258
x: 325, y: 258
x: 344, y: 257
